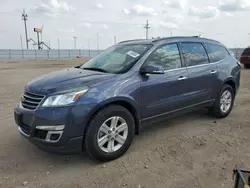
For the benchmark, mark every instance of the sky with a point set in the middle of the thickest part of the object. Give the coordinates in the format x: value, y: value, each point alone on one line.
x: 101, y: 20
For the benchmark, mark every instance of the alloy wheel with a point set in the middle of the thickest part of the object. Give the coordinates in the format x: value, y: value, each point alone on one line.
x: 112, y: 134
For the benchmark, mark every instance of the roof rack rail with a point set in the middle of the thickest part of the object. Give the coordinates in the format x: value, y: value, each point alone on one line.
x: 130, y: 40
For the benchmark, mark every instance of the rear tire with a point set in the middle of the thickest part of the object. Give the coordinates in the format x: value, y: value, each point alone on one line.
x: 224, y: 102
x: 102, y: 141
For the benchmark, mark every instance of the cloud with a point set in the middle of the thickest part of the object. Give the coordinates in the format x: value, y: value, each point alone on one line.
x: 168, y: 25
x: 204, y: 12
x: 126, y: 11
x: 87, y: 25
x: 175, y: 3
x: 52, y: 8
x: 177, y: 18
x: 141, y: 10
x: 105, y: 26
x: 233, y: 5
x: 70, y: 30
x: 100, y: 6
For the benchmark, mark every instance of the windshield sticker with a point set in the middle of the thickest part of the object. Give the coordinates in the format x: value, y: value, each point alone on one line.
x: 133, y: 54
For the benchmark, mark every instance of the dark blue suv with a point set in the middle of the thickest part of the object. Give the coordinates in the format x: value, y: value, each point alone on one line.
x: 100, y: 105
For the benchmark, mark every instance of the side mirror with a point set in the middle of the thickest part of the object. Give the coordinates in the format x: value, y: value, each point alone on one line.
x: 152, y: 69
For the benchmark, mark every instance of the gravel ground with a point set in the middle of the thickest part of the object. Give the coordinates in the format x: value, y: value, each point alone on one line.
x: 193, y: 150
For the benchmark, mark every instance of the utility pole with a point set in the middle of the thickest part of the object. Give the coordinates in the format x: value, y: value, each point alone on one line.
x: 41, y: 36
x: 114, y: 39
x: 38, y: 41
x: 25, y: 18
x: 75, y: 41
x: 21, y: 39
x: 147, y: 27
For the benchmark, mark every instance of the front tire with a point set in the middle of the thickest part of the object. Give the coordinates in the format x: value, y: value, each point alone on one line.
x: 224, y: 102
x: 110, y: 133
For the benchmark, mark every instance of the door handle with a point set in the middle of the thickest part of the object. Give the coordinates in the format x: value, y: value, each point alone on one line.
x: 182, y: 78
x: 213, y: 71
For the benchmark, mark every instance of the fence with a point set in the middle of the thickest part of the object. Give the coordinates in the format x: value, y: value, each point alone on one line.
x: 64, y: 54
x: 46, y: 54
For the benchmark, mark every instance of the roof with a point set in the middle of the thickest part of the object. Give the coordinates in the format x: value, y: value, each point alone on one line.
x: 170, y: 39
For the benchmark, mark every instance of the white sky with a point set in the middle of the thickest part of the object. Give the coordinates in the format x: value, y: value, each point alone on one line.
x: 223, y: 20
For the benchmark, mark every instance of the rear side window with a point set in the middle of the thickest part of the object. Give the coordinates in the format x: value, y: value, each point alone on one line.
x: 215, y: 52
x: 246, y: 52
x: 194, y: 54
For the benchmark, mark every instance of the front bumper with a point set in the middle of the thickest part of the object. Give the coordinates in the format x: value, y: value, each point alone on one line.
x: 71, y: 138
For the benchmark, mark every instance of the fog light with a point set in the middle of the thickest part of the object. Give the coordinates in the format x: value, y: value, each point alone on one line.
x: 53, y: 136
x: 51, y: 128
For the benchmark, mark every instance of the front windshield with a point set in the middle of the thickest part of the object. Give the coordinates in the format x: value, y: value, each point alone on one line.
x: 117, y: 59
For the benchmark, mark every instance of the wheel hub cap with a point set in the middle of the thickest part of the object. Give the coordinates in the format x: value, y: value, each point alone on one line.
x: 112, y: 134
x: 225, y: 101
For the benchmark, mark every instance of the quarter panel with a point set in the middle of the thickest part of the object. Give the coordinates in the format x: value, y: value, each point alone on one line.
x: 228, y: 69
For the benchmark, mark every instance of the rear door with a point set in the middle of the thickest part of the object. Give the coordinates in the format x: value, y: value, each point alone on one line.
x: 216, y: 54
x: 202, y: 74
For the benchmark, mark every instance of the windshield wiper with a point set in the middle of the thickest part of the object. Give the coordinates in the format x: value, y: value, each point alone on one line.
x: 95, y: 69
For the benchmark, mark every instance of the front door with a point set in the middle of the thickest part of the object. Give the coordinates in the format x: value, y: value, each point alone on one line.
x: 163, y: 93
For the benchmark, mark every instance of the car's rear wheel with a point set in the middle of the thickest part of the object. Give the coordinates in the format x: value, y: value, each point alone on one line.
x: 224, y: 102
x: 247, y: 66
x: 110, y: 133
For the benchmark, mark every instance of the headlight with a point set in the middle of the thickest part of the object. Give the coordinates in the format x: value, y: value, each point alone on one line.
x: 64, y: 99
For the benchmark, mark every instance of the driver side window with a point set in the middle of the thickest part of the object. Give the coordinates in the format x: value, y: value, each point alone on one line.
x: 167, y: 56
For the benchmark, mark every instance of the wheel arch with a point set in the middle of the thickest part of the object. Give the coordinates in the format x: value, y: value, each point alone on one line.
x: 230, y: 82
x: 125, y: 102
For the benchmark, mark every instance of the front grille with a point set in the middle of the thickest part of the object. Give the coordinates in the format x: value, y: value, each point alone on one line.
x: 30, y: 100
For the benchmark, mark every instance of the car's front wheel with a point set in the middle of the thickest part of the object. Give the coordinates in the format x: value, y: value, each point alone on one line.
x: 224, y: 102
x: 110, y: 133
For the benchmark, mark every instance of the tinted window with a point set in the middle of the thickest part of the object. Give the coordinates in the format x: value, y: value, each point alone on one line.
x: 216, y: 53
x: 246, y: 52
x: 167, y: 56
x: 194, y: 54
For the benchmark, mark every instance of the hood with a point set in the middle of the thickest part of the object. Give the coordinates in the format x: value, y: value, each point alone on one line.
x: 65, y: 79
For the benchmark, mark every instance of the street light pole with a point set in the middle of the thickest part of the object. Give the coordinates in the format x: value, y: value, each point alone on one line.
x: 75, y: 41
x: 98, y: 42
x: 171, y: 32
x: 58, y: 43
x: 89, y: 46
